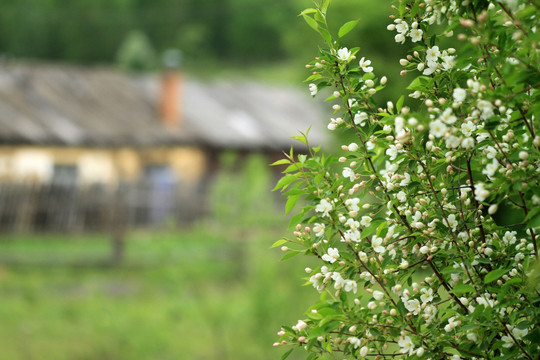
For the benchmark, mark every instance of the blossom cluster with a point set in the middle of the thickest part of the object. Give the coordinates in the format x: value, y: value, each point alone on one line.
x: 426, y: 226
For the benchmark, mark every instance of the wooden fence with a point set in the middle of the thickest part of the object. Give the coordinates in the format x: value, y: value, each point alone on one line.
x: 31, y: 207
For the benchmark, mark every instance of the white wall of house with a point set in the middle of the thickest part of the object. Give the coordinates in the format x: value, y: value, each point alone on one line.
x: 31, y: 165
x: 96, y: 168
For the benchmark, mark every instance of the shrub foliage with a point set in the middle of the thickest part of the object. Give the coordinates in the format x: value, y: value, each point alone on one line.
x: 426, y: 226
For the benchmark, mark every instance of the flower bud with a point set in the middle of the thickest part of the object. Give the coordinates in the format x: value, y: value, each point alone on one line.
x: 363, y: 351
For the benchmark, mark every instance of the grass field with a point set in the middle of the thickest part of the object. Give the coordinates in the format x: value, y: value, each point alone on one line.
x: 200, y: 293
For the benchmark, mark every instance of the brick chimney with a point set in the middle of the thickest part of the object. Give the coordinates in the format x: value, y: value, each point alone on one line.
x: 171, y: 89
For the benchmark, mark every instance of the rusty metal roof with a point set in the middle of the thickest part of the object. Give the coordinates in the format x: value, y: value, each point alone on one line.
x: 46, y: 104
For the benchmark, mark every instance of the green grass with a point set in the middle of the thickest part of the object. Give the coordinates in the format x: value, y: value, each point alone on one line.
x: 203, y: 293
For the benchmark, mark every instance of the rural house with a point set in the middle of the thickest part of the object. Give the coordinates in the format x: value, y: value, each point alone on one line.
x: 66, y: 128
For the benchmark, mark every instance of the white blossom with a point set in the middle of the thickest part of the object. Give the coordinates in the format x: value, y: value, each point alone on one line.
x: 452, y: 222
x: 491, y: 168
x: 427, y: 295
x: 448, y: 62
x: 431, y: 68
x: 416, y: 35
x: 365, y: 221
x: 490, y: 152
x: 324, y: 207
x: 344, y: 54
x: 452, y: 142
x: 468, y: 128
x: 331, y: 256
x: 364, y: 351
x: 348, y: 173
x: 432, y: 54
x: 399, y: 38
x: 401, y: 196
x: 467, y: 143
x: 319, y: 229
x: 448, y: 117
x: 402, y: 27
x: 486, y: 108
x: 376, y: 243
x: 459, y: 94
x: 406, y: 345
x: 406, y: 179
x: 352, y: 204
x: 355, y: 341
x: 437, y: 128
x: 360, y: 117
x: 392, y: 152
x: 364, y: 64
x: 300, y: 325
x: 350, y: 285
x: 378, y: 295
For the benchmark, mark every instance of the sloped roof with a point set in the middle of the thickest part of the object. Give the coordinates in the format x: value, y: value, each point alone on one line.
x: 73, y: 106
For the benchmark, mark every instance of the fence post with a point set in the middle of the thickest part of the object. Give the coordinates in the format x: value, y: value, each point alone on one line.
x: 118, y: 227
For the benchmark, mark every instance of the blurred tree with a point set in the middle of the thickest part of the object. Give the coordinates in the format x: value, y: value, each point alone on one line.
x: 239, y: 31
x: 136, y: 53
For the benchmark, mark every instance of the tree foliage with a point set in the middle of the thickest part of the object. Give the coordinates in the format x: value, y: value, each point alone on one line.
x: 90, y: 31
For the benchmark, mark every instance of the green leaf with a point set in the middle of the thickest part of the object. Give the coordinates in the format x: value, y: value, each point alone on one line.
x: 326, y: 35
x: 308, y: 11
x: 281, y: 162
x: 286, y: 181
x: 316, y: 76
x: 295, y: 220
x: 279, y: 243
x: 292, y: 168
x: 494, y: 275
x: 347, y: 27
x: 290, y: 254
x: 512, y: 281
x: 534, y: 222
x: 420, y: 83
x: 286, y: 355
x: 291, y: 201
x: 463, y: 288
x: 399, y: 103
x: 311, y: 22
x: 319, y: 17
x: 300, y: 138
x: 432, y: 40
x: 325, y: 6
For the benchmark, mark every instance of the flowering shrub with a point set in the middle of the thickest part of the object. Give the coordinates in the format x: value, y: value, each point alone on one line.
x: 426, y: 226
